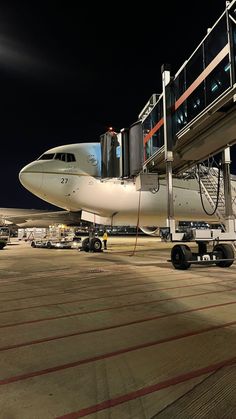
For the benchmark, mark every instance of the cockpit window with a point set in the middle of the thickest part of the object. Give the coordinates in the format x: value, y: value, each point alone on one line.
x: 70, y: 157
x: 60, y: 156
x: 46, y: 156
x: 67, y: 157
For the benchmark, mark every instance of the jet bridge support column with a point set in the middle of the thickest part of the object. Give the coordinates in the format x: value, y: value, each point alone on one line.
x: 229, y: 216
x: 168, y: 141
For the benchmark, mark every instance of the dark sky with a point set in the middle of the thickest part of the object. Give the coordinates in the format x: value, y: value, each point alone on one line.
x: 69, y: 70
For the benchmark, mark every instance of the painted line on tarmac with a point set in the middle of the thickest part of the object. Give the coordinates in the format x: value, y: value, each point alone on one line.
x: 106, y: 404
x: 111, y: 295
x: 145, y: 302
x: 99, y: 310
x: 57, y: 368
x: 102, y: 329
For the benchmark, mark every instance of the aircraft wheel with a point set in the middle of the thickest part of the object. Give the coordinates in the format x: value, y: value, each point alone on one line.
x: 33, y: 244
x: 180, y: 255
x: 85, y: 245
x: 226, y: 252
x: 49, y: 245
x: 96, y: 245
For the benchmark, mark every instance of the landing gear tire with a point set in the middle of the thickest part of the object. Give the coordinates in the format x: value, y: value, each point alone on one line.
x: 85, y: 245
x: 180, y: 255
x: 226, y: 252
x: 96, y: 245
x: 49, y: 245
x: 33, y: 244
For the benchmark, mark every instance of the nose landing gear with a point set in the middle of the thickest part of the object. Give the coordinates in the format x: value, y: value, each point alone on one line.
x: 92, y: 245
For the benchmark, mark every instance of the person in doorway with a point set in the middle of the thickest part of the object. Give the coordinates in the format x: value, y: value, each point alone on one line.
x: 104, y: 239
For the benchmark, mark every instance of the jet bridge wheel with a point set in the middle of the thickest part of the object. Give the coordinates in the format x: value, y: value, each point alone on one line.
x: 180, y: 255
x: 226, y: 252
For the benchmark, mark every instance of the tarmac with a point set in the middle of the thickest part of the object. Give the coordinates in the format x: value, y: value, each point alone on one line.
x: 118, y: 334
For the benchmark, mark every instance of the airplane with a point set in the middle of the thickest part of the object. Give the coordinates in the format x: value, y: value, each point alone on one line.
x: 24, y: 218
x: 70, y: 177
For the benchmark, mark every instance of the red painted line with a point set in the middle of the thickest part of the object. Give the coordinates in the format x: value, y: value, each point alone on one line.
x: 60, y: 286
x: 115, y: 286
x: 112, y: 354
x: 69, y: 290
x: 80, y: 313
x: 21, y: 290
x: 30, y: 297
x: 85, y: 288
x: 102, y: 329
x: 75, y: 301
x: 109, y: 295
x: 37, y: 287
x: 112, y: 286
x: 148, y: 390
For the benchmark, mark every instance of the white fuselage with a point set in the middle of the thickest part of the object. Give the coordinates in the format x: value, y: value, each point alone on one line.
x: 75, y: 184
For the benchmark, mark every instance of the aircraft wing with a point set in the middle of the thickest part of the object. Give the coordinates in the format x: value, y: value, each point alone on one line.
x: 37, y: 218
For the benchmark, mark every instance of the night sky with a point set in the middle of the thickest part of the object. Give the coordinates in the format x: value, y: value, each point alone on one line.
x: 69, y: 70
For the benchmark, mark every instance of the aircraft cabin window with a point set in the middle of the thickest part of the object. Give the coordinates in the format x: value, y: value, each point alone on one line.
x: 46, y: 156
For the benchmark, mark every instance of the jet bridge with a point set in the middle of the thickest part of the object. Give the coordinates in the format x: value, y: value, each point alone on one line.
x: 194, y: 118
x: 201, y: 107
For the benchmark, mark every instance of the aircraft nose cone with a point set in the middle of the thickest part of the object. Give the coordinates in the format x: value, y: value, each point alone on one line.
x: 31, y: 179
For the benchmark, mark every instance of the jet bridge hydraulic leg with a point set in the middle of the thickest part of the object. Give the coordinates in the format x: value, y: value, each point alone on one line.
x: 168, y: 147
x: 182, y: 257
x: 168, y: 142
x: 222, y: 254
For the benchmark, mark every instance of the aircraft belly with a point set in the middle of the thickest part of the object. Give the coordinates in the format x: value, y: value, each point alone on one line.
x: 122, y: 203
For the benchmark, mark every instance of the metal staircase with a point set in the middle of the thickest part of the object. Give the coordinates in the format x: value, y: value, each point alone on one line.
x: 212, y: 186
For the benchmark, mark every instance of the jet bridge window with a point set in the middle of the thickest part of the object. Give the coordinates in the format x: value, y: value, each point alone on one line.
x: 67, y: 157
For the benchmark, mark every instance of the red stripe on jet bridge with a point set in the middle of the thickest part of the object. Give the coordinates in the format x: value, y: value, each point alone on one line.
x: 44, y: 340
x: 163, y: 299
x: 219, y: 57
x: 153, y: 130
x: 111, y: 354
x: 106, y: 404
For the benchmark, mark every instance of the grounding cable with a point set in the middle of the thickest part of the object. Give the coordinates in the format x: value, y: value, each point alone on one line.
x: 137, y: 226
